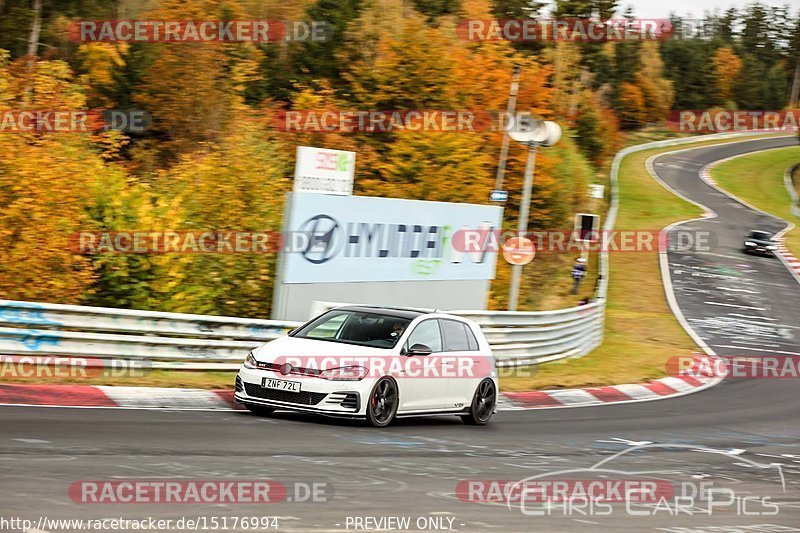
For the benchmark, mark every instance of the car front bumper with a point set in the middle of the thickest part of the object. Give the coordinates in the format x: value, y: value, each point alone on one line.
x: 334, y: 398
x: 759, y: 250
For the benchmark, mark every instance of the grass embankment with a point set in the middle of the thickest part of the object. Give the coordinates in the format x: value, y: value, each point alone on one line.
x: 641, y: 332
x: 758, y: 180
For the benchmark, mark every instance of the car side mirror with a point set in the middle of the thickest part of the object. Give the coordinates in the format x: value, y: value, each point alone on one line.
x: 419, y: 349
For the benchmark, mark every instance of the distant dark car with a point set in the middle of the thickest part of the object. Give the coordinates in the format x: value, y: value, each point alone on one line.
x: 760, y: 242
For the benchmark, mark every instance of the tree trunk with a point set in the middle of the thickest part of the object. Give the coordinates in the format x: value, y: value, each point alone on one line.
x: 795, y: 86
x: 36, y: 28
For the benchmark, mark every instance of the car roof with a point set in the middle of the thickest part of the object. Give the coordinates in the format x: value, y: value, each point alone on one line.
x: 400, y: 312
x: 760, y: 231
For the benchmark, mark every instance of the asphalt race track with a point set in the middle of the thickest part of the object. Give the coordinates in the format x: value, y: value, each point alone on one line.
x: 743, y: 434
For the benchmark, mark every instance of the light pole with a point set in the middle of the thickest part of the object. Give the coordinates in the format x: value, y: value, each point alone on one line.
x: 533, y: 133
x: 512, y: 104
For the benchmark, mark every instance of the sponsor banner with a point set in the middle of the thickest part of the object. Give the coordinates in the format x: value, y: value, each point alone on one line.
x: 359, y: 238
x: 324, y: 171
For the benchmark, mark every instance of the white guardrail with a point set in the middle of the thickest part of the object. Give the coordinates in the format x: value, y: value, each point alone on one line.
x: 184, y: 341
x: 174, y: 340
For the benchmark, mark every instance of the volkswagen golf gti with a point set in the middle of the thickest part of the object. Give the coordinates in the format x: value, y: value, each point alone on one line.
x: 377, y: 364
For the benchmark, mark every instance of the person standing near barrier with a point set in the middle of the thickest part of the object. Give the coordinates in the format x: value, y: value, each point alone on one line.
x: 578, y: 273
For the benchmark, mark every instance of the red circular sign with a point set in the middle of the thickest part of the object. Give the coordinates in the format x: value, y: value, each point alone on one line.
x: 519, y: 250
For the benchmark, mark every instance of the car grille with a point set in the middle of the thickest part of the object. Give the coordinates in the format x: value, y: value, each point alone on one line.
x: 295, y: 370
x: 239, y: 387
x: 300, y: 398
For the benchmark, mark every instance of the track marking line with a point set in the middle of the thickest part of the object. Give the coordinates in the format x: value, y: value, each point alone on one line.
x: 736, y: 306
x: 757, y: 349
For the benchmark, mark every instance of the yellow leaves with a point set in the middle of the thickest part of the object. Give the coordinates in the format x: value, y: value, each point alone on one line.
x: 448, y: 167
x: 727, y: 65
x: 409, y: 68
x: 5, y: 95
x: 238, y: 184
x: 48, y: 87
x: 246, y: 71
x: 99, y: 60
x: 656, y: 90
x: 633, y: 104
x: 111, y: 143
x: 45, y: 187
x: 309, y: 99
x: 476, y: 9
x: 44, y: 190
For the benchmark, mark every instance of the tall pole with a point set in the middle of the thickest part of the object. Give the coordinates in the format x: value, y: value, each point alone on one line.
x: 522, y: 225
x: 512, y: 105
x: 795, y: 86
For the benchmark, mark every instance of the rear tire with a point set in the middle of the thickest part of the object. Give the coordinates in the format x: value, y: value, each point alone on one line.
x: 483, y: 403
x: 382, y: 403
x: 260, y: 410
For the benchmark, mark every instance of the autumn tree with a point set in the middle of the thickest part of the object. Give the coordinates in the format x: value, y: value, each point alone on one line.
x: 238, y: 184
x: 656, y: 90
x: 45, y: 186
x: 192, y: 90
x: 727, y: 65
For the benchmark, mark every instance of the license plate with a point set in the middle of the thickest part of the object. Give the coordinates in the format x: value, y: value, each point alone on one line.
x: 281, y: 384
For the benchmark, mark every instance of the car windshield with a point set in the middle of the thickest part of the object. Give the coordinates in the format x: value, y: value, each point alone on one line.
x: 355, y: 327
x: 760, y: 235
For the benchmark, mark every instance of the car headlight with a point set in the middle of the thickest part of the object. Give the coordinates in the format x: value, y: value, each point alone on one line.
x: 250, y: 361
x: 772, y: 247
x: 344, y: 373
x: 749, y: 243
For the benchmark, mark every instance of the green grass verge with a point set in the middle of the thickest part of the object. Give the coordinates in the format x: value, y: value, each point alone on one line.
x: 758, y: 180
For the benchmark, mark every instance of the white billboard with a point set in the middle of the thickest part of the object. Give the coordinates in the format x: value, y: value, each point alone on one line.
x: 324, y: 171
x: 361, y: 238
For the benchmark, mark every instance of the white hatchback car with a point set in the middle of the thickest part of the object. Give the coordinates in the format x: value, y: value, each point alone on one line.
x: 375, y: 363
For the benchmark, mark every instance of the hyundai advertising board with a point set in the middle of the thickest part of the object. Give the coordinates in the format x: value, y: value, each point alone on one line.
x: 369, y: 239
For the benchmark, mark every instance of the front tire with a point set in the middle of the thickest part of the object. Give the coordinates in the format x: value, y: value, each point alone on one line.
x: 382, y: 403
x: 260, y: 410
x: 483, y: 403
